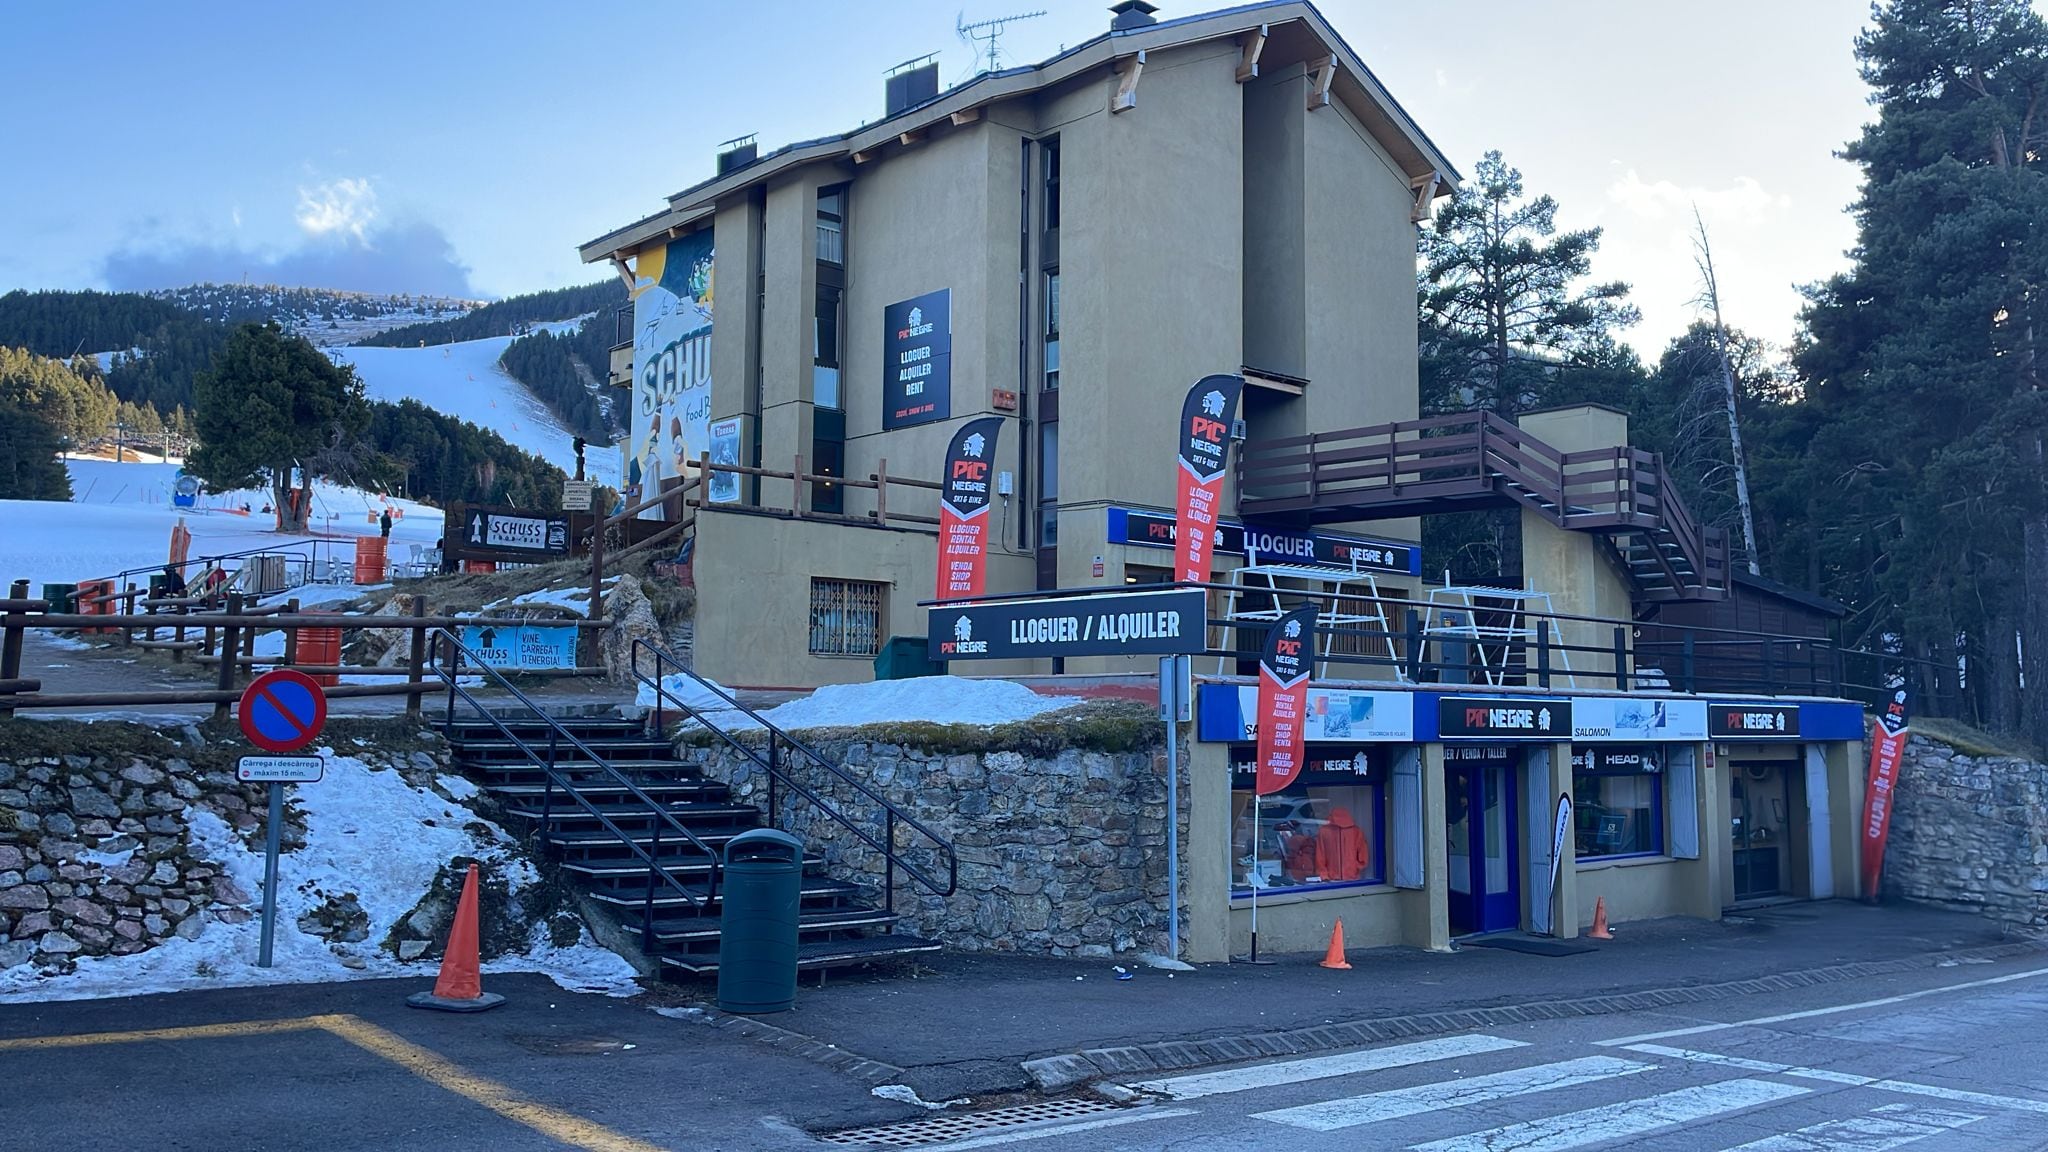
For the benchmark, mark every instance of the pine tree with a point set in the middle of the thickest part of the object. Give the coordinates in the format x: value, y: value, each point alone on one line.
x: 274, y: 404
x: 1922, y: 362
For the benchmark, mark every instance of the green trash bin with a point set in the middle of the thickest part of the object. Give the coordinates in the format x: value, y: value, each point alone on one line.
x: 903, y: 657
x: 63, y: 598
x: 761, y: 888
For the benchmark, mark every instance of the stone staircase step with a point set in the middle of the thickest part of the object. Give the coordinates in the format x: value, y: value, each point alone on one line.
x: 821, y: 953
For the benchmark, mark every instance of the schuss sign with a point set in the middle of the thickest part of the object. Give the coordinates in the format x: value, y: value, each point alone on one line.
x: 1115, y: 624
x: 1271, y: 545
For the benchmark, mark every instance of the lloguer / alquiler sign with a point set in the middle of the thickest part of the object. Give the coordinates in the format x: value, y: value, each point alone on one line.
x: 1170, y: 623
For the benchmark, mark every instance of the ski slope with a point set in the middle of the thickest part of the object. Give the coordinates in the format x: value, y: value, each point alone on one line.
x: 463, y: 380
x: 120, y: 518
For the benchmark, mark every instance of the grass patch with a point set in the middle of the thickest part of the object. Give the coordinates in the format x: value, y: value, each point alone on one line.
x: 1973, y: 741
x: 460, y: 592
x: 221, y: 741
x: 1114, y: 726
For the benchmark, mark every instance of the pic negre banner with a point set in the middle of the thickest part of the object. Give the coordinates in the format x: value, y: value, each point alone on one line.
x: 1752, y: 721
x: 1494, y: 718
x: 963, y: 509
x: 1270, y: 545
x: 917, y: 360
x: 1887, y: 746
x: 1116, y: 624
x: 1284, y: 669
x: 1204, y: 435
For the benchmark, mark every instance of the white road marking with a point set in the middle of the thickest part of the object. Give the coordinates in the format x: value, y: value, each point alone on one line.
x: 1904, y: 1087
x: 1324, y: 1067
x: 1810, y: 1013
x: 996, y: 1138
x: 1331, y: 1115
x: 1620, y: 1120
x: 1881, y: 1129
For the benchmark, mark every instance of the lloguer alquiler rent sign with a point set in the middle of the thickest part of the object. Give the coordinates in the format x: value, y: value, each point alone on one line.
x: 1115, y: 624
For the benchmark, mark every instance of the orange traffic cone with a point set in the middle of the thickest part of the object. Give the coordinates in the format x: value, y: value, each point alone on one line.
x: 1334, y: 958
x: 460, y: 987
x: 1599, y: 930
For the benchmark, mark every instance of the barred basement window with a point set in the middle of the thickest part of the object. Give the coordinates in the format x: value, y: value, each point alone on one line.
x: 846, y: 617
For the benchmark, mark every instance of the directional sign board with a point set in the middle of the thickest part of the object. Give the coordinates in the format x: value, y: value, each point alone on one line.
x: 283, y: 711
x: 279, y: 769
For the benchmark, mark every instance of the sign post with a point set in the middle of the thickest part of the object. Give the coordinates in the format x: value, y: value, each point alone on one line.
x: 1175, y: 676
x: 281, y: 711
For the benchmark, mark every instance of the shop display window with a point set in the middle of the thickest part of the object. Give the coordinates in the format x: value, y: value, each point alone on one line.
x: 1617, y: 801
x: 1326, y: 829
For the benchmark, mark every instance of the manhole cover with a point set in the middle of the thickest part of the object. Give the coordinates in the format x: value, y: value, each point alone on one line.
x: 941, y: 1129
x: 571, y: 1045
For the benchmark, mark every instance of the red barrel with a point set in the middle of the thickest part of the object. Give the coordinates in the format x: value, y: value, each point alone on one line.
x: 479, y: 565
x: 370, y: 562
x: 321, y: 647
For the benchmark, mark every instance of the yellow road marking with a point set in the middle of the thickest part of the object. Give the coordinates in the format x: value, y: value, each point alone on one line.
x: 553, y: 1123
x: 565, y: 1127
x: 195, y: 1032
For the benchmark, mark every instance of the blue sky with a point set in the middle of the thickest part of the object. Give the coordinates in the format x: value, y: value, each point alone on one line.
x: 468, y: 149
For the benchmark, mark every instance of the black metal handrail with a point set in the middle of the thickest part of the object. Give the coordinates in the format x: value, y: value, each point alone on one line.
x: 557, y: 734
x: 773, y: 766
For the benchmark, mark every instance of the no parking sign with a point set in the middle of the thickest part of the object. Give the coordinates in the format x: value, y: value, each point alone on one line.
x: 283, y: 710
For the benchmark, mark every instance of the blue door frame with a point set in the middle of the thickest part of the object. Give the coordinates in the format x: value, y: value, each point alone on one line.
x: 1471, y: 789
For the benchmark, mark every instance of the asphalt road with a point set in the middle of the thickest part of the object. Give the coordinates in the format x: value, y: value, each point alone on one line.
x: 1830, y: 1069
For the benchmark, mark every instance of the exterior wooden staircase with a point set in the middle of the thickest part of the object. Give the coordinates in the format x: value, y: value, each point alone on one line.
x: 1476, y: 460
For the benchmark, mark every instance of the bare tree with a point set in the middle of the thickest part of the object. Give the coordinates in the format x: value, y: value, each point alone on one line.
x: 1710, y: 299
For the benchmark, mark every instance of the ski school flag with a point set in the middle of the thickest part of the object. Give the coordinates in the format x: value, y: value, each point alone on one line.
x: 1283, y: 695
x: 963, y: 509
x: 1887, y: 746
x: 1205, y: 419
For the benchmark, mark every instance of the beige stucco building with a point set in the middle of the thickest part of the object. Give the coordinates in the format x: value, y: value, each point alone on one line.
x: 1231, y: 192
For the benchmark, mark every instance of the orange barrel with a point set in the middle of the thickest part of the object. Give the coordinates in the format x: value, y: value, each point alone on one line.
x: 318, y: 647
x: 89, y: 604
x: 479, y: 565
x: 370, y: 566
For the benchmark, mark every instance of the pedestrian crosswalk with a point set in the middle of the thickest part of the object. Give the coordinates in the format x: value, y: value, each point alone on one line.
x: 1480, y: 1093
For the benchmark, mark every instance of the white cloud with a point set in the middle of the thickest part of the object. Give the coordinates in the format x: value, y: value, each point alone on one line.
x: 344, y: 206
x: 1745, y: 200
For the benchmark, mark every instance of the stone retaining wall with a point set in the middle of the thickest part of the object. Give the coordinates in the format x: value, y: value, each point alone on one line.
x: 1060, y: 854
x: 1970, y: 832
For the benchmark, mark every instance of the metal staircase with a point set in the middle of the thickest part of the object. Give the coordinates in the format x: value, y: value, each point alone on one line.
x: 641, y: 832
x: 1476, y: 460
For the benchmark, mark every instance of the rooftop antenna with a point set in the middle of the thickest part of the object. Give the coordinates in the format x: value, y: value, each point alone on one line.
x: 988, y: 32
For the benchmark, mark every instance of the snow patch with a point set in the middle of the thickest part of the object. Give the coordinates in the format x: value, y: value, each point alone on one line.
x: 926, y: 699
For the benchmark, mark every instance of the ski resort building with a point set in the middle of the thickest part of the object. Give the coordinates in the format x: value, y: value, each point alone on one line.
x: 1066, y: 247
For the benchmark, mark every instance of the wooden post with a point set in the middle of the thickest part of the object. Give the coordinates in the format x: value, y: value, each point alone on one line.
x: 10, y: 647
x: 882, y: 492
x: 291, y: 634
x: 796, y: 504
x: 418, y: 656
x: 229, y: 646
x: 128, y: 609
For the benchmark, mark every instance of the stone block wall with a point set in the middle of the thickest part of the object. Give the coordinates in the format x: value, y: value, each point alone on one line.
x: 1061, y: 853
x: 1970, y: 832
x: 94, y: 854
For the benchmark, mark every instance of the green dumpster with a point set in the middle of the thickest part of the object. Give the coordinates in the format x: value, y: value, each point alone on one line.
x: 761, y: 888
x: 903, y: 657
x: 63, y: 598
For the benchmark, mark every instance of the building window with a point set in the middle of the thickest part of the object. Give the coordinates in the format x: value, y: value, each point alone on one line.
x: 1052, y: 184
x: 1617, y: 801
x: 846, y: 617
x: 832, y: 225
x: 1327, y: 829
x: 827, y: 346
x: 1048, y: 484
x: 1052, y: 329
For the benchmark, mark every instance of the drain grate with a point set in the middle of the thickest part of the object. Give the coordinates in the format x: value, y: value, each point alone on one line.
x: 930, y: 1130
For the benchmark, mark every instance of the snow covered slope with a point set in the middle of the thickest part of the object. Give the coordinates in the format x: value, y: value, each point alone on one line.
x: 464, y: 381
x: 121, y: 517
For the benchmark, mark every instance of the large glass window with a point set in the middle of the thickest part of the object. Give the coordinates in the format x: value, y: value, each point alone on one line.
x: 1327, y: 828
x: 832, y: 225
x: 1052, y: 184
x: 1052, y: 330
x: 1617, y: 801
x: 826, y: 347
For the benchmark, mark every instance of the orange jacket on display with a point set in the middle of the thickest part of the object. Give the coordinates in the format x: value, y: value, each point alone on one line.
x: 1340, y: 848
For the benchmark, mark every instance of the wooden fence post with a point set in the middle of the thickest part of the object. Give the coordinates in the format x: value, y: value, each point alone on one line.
x: 291, y: 634
x: 796, y: 474
x: 882, y: 492
x: 230, y: 648
x: 10, y: 647
x: 418, y: 656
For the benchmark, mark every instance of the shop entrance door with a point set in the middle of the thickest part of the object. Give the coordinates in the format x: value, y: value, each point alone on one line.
x: 1479, y: 812
x: 1758, y: 827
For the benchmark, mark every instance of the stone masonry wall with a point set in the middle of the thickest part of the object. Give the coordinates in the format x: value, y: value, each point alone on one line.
x: 1060, y: 854
x: 1970, y: 832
